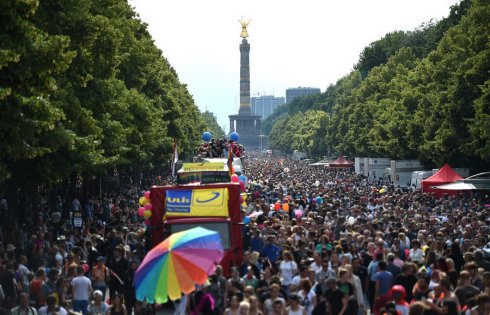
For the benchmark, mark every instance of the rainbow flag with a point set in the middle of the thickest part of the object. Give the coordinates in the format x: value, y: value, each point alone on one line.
x: 231, y: 171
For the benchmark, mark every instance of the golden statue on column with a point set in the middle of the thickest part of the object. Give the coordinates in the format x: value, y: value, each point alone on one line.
x: 244, y: 24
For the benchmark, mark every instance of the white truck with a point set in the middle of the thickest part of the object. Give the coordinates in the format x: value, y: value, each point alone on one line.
x: 401, y: 172
x: 418, y: 177
x: 298, y: 155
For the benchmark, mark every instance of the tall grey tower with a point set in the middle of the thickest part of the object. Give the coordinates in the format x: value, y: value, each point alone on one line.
x: 244, y: 78
x: 245, y: 123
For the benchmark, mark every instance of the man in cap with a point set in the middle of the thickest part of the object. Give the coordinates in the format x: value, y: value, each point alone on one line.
x: 98, y: 306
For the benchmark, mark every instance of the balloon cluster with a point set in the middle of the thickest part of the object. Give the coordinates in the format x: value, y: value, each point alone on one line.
x: 145, y: 209
x: 278, y: 206
x: 242, y: 179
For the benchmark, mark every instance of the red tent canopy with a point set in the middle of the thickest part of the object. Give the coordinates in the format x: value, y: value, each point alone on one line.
x: 445, y: 175
x: 341, y: 162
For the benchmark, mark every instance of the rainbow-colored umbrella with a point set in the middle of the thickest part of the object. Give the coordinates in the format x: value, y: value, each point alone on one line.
x: 177, y: 264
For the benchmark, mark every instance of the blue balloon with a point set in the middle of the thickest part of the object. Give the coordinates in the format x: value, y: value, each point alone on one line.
x: 234, y: 136
x: 246, y: 220
x: 243, y: 178
x: 319, y: 200
x: 206, y: 136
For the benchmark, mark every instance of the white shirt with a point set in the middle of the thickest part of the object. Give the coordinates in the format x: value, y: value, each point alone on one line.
x: 296, y: 280
x: 81, y: 288
x: 288, y: 269
x: 358, y: 287
x: 268, y: 304
x: 102, y: 309
x: 18, y: 311
x: 416, y: 255
x: 44, y: 311
x: 316, y: 267
x: 24, y: 270
x: 307, y: 301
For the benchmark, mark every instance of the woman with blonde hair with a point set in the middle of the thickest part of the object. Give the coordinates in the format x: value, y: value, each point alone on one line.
x: 288, y: 269
x: 244, y: 308
x: 254, y: 306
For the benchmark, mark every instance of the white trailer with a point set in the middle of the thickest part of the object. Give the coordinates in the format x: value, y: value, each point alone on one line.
x: 365, y: 171
x: 376, y: 167
x: 359, y: 165
x: 401, y: 171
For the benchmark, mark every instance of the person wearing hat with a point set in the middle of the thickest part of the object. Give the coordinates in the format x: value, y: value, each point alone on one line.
x: 98, y: 306
x: 10, y: 248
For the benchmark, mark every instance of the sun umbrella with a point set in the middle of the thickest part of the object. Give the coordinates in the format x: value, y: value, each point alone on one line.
x: 177, y: 264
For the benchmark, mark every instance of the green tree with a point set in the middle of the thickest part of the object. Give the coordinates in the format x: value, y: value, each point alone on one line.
x: 30, y: 63
x: 451, y: 82
x: 212, y: 126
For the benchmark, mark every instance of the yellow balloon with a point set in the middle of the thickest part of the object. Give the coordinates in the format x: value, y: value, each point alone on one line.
x: 382, y: 191
x: 147, y: 214
x: 143, y: 201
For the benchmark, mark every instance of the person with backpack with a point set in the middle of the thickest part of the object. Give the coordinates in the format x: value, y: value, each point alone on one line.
x: 307, y: 296
x: 24, y: 308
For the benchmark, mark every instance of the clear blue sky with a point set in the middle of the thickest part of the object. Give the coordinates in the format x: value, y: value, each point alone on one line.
x: 293, y: 43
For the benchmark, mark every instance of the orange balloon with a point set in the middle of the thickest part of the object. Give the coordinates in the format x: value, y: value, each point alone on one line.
x: 285, y: 207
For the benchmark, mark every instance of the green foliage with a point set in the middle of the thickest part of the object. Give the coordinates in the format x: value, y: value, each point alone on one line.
x: 85, y: 91
x: 31, y: 62
x: 304, y: 131
x: 413, y: 95
x: 212, y: 126
x: 422, y: 40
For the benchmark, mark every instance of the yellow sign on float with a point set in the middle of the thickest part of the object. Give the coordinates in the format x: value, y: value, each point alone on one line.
x: 211, y: 202
x: 213, y: 166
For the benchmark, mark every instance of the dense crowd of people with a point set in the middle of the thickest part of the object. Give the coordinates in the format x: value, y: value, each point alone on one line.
x: 218, y: 149
x: 329, y: 241
x: 337, y: 244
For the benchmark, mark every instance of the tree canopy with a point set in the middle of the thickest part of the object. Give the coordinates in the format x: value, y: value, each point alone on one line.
x: 421, y: 94
x: 85, y: 93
